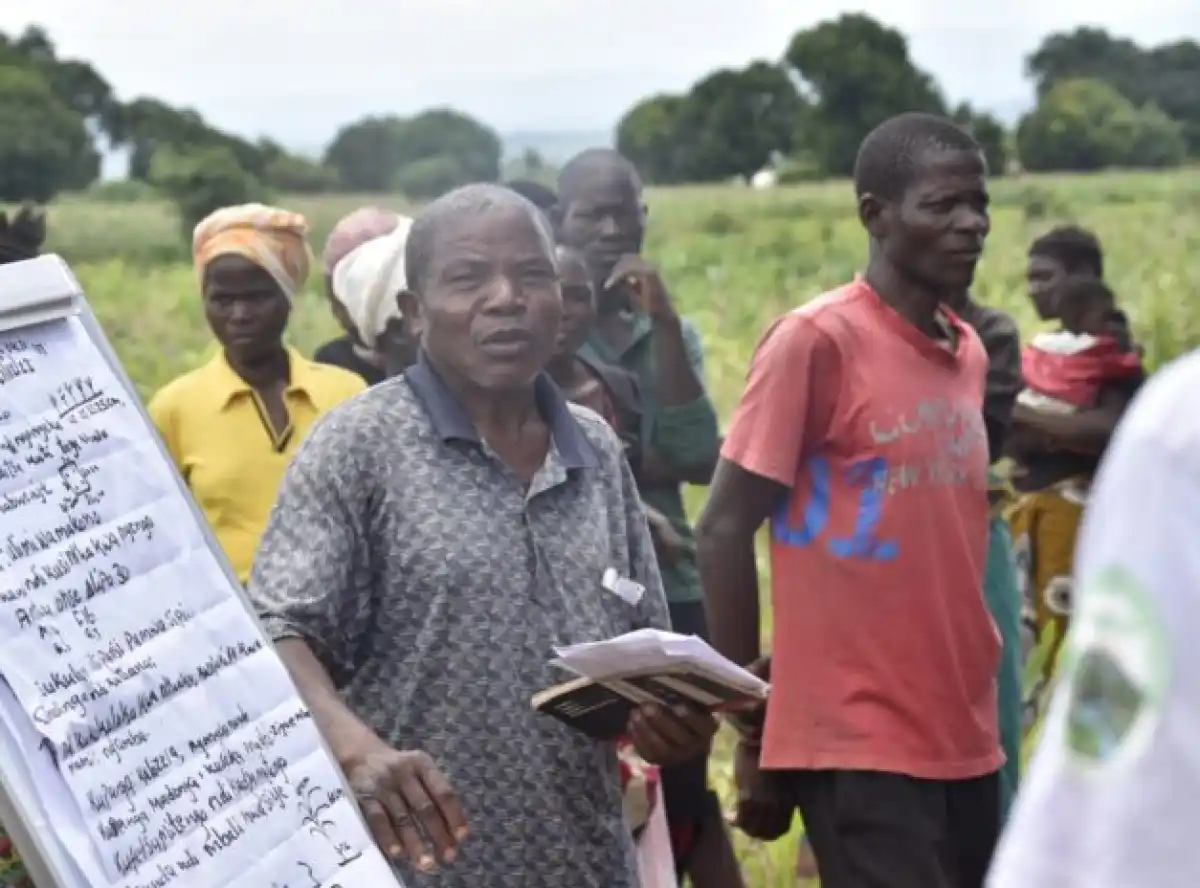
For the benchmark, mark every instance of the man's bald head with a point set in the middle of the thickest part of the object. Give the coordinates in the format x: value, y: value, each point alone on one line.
x: 594, y: 165
x: 450, y: 211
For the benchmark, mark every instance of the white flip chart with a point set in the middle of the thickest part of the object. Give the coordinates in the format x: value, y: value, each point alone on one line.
x: 149, y: 735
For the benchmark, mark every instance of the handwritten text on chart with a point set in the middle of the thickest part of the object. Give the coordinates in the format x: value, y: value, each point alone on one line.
x: 177, y: 735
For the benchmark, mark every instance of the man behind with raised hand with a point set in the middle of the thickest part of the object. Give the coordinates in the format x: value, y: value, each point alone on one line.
x: 601, y: 213
x: 1111, y: 798
x: 860, y: 439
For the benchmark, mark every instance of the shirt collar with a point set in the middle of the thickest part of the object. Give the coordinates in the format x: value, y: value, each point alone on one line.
x: 227, y: 385
x: 450, y: 421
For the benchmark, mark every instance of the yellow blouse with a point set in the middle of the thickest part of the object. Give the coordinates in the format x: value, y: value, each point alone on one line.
x: 215, y: 428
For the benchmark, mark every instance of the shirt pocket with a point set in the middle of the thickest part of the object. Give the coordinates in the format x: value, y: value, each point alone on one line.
x: 571, y: 567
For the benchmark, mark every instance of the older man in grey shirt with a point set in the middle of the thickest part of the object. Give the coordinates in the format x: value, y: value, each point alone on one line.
x: 433, y: 540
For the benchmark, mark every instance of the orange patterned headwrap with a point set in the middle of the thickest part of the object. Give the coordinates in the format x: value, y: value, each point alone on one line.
x: 273, y: 239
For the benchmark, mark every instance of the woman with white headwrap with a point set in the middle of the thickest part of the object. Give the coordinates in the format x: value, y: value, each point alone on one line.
x: 364, y: 272
x: 367, y: 283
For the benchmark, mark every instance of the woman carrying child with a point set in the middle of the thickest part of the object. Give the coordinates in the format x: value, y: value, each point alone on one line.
x: 1078, y: 382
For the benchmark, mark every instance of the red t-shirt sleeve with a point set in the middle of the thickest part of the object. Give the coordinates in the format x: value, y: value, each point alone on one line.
x: 788, y: 404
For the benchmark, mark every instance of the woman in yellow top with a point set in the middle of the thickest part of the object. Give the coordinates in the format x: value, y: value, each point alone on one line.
x: 232, y: 425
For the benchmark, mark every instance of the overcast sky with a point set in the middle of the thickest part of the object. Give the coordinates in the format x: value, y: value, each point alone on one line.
x: 297, y: 69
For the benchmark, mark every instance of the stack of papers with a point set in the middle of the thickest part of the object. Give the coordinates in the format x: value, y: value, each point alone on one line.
x: 652, y: 650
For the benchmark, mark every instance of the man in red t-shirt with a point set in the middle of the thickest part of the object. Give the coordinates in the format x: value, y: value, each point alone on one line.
x: 860, y: 440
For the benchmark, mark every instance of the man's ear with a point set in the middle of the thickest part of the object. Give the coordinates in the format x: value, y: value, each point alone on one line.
x: 410, y: 310
x: 875, y: 215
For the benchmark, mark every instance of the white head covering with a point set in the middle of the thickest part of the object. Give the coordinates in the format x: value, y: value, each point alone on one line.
x: 367, y: 280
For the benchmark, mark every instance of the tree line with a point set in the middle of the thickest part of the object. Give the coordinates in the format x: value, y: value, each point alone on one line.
x: 1102, y: 101
x: 56, y: 114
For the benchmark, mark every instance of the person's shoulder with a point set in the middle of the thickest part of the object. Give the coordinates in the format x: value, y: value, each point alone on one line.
x: 992, y: 324
x: 819, y: 318
x: 182, y: 392
x: 596, y: 430
x: 382, y: 412
x: 334, y: 384
x: 332, y: 350
x: 838, y: 315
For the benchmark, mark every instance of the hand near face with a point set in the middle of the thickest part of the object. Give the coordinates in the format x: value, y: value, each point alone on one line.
x: 410, y: 807
x: 645, y: 285
x: 669, y: 735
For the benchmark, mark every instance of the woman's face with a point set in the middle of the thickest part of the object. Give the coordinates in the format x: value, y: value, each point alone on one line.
x: 244, y: 306
x: 579, y: 303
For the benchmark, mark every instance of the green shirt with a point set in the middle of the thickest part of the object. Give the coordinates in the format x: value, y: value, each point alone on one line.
x: 684, y: 436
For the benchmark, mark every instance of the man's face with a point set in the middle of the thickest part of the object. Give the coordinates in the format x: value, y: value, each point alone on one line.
x: 604, y: 219
x: 936, y: 231
x: 1045, y: 275
x: 491, y: 305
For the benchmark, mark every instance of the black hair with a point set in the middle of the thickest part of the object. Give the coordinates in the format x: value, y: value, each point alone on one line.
x: 1081, y: 297
x: 545, y: 199
x: 1075, y: 248
x: 22, y: 234
x: 889, y: 158
x: 450, y: 209
x: 589, y: 162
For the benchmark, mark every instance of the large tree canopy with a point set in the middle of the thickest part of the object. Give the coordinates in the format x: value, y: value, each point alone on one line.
x: 422, y: 155
x: 837, y: 81
x: 45, y: 146
x: 1166, y: 76
x: 859, y: 73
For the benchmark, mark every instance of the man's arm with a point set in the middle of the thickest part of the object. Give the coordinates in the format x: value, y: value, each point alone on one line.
x: 738, y: 503
x: 314, y: 593
x: 783, y: 414
x: 1116, y: 756
x: 309, y: 583
x: 685, y: 436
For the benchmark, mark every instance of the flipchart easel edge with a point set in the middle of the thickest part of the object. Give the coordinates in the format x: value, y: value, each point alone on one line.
x: 39, y: 302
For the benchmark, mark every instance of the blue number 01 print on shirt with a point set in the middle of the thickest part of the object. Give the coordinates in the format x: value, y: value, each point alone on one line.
x: 868, y: 476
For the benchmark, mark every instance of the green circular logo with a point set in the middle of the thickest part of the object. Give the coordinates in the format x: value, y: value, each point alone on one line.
x: 1116, y: 666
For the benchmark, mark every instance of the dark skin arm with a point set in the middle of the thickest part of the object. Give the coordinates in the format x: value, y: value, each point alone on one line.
x: 739, y: 502
x: 397, y: 790
x: 656, y: 472
x: 1086, y: 432
x: 676, y: 383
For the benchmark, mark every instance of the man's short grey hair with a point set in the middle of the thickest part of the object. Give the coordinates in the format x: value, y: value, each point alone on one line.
x: 449, y: 210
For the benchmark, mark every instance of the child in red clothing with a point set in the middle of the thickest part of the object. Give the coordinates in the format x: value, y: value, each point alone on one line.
x: 1066, y: 370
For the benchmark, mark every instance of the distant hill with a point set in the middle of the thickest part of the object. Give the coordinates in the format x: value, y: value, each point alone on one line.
x: 555, y: 146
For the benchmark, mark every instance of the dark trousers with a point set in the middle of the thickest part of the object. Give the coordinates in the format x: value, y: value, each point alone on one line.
x: 876, y: 830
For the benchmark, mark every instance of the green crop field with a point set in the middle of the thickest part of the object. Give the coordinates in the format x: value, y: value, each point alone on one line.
x: 733, y: 258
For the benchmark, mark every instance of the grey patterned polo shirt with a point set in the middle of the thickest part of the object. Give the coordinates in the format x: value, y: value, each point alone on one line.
x: 433, y: 585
